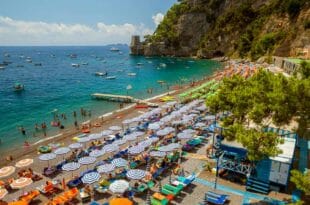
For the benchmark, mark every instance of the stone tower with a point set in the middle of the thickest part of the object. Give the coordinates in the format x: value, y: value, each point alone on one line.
x: 136, y: 47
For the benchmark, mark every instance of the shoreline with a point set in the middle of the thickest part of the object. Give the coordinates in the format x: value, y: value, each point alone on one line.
x: 106, y: 120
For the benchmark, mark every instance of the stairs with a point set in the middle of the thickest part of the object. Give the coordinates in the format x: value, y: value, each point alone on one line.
x: 256, y: 185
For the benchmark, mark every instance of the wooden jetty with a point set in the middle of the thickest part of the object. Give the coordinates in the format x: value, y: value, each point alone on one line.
x: 114, y: 98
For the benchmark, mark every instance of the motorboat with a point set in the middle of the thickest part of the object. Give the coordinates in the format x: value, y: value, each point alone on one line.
x: 37, y: 64
x: 2, y: 67
x: 110, y: 77
x: 28, y: 60
x: 75, y: 65
x: 163, y: 65
x: 18, y: 87
x: 139, y: 64
x: 20, y: 66
x: 114, y: 49
x: 84, y: 63
x: 132, y: 74
x: 73, y: 55
x: 101, y: 74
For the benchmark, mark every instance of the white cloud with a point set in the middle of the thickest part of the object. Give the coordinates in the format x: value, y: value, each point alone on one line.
x: 17, y: 32
x: 159, y: 17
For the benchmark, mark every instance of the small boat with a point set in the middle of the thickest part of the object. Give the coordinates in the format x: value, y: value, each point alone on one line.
x: 18, y: 87
x: 160, y: 81
x: 6, y: 55
x: 73, y: 55
x: 75, y: 65
x: 139, y: 64
x: 37, y: 64
x: 114, y: 49
x: 53, y: 56
x: 101, y: 74
x: 110, y: 77
x: 163, y: 65
x: 19, y: 66
x: 84, y: 63
x: 28, y: 60
x: 6, y: 62
x: 2, y: 67
x: 132, y: 74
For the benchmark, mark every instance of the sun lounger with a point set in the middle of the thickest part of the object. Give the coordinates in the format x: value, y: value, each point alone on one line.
x: 158, y: 199
x: 171, y: 190
x: 215, y: 198
x: 29, y: 197
x: 186, y: 180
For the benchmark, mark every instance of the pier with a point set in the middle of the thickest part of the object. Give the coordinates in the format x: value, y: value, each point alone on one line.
x: 114, y: 98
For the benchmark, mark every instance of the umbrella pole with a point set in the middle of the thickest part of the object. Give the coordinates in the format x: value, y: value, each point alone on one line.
x: 148, y: 197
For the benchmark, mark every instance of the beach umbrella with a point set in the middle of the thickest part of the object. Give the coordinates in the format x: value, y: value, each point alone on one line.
x: 165, y: 149
x: 106, y: 168
x: 126, y: 122
x: 6, y: 171
x: 3, y: 192
x: 21, y: 183
x: 136, y: 119
x: 201, y: 108
x: 169, y: 129
x: 119, y: 186
x: 71, y: 166
x: 84, y: 139
x: 191, y: 131
x: 184, y: 136
x: 119, y: 142
x: 106, y: 132
x: 162, y: 132
x: 24, y: 163
x: 95, y: 136
x: 130, y: 137
x: 97, y: 153
x: 200, y: 125
x: 62, y: 150
x: 115, y: 128
x: 110, y: 148
x: 87, y: 160
x: 145, y: 143
x: 75, y: 146
x: 153, y: 139
x: 178, y: 122
x: 154, y: 126
x: 157, y: 154
x: 174, y: 145
x: 138, y: 133
x: 196, y: 112
x: 209, y: 117
x: 90, y: 178
x: 47, y: 157
x: 135, y: 150
x: 136, y: 174
x: 119, y: 162
x: 120, y: 201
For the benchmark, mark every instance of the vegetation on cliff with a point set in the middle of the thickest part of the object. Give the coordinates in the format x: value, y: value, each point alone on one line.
x: 237, y: 28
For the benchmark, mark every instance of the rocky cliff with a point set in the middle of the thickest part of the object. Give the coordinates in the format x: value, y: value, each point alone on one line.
x: 238, y: 28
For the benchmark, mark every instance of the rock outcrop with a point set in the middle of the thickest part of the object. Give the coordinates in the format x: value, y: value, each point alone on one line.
x: 238, y: 28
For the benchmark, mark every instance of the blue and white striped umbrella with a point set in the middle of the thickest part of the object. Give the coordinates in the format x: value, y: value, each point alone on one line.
x: 127, y: 122
x: 106, y: 168
x: 162, y: 132
x: 154, y: 126
x: 75, y: 145
x: 84, y: 139
x: 119, y: 162
x: 153, y: 139
x: 62, y: 150
x: 165, y: 149
x: 135, y: 150
x: 130, y: 137
x: 174, y: 145
x: 87, y: 160
x: 145, y: 143
x: 110, y: 148
x: 95, y: 136
x: 96, y: 153
x: 115, y: 128
x: 106, y: 132
x: 136, y: 174
x: 119, y: 186
x: 119, y: 142
x: 157, y: 154
x: 138, y: 133
x: 90, y: 178
x: 189, y: 131
x: 170, y: 129
x: 47, y: 157
x: 184, y: 135
x: 200, y: 125
x: 71, y: 166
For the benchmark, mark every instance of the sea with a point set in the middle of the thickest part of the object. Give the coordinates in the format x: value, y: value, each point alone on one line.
x: 55, y: 88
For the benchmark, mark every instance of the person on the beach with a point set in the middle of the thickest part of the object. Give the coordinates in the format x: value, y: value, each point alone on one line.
x: 36, y: 127
x: 76, y: 125
x: 74, y: 114
x: 43, y: 125
x: 82, y: 111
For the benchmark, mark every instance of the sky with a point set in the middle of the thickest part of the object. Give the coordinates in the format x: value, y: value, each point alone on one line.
x: 78, y: 22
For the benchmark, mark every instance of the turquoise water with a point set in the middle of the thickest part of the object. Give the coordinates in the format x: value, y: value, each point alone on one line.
x: 58, y: 85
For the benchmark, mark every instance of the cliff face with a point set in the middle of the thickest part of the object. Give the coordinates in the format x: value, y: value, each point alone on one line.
x: 238, y: 28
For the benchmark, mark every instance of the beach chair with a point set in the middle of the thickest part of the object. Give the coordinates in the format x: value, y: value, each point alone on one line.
x: 158, y: 199
x: 186, y: 180
x: 168, y: 189
x: 215, y: 198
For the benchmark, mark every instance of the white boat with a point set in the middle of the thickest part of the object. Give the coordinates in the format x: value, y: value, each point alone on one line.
x: 85, y: 63
x: 139, y: 64
x: 2, y: 67
x: 101, y: 74
x: 132, y: 74
x: 114, y: 49
x: 110, y: 77
x: 29, y: 61
x: 163, y: 65
x: 75, y: 65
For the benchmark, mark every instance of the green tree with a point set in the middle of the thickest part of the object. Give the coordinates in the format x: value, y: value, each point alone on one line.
x: 301, y: 180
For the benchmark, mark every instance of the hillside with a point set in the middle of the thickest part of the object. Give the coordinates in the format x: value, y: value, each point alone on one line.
x: 235, y: 28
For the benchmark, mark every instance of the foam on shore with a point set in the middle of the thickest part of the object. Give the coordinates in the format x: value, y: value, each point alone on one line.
x: 48, y: 138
